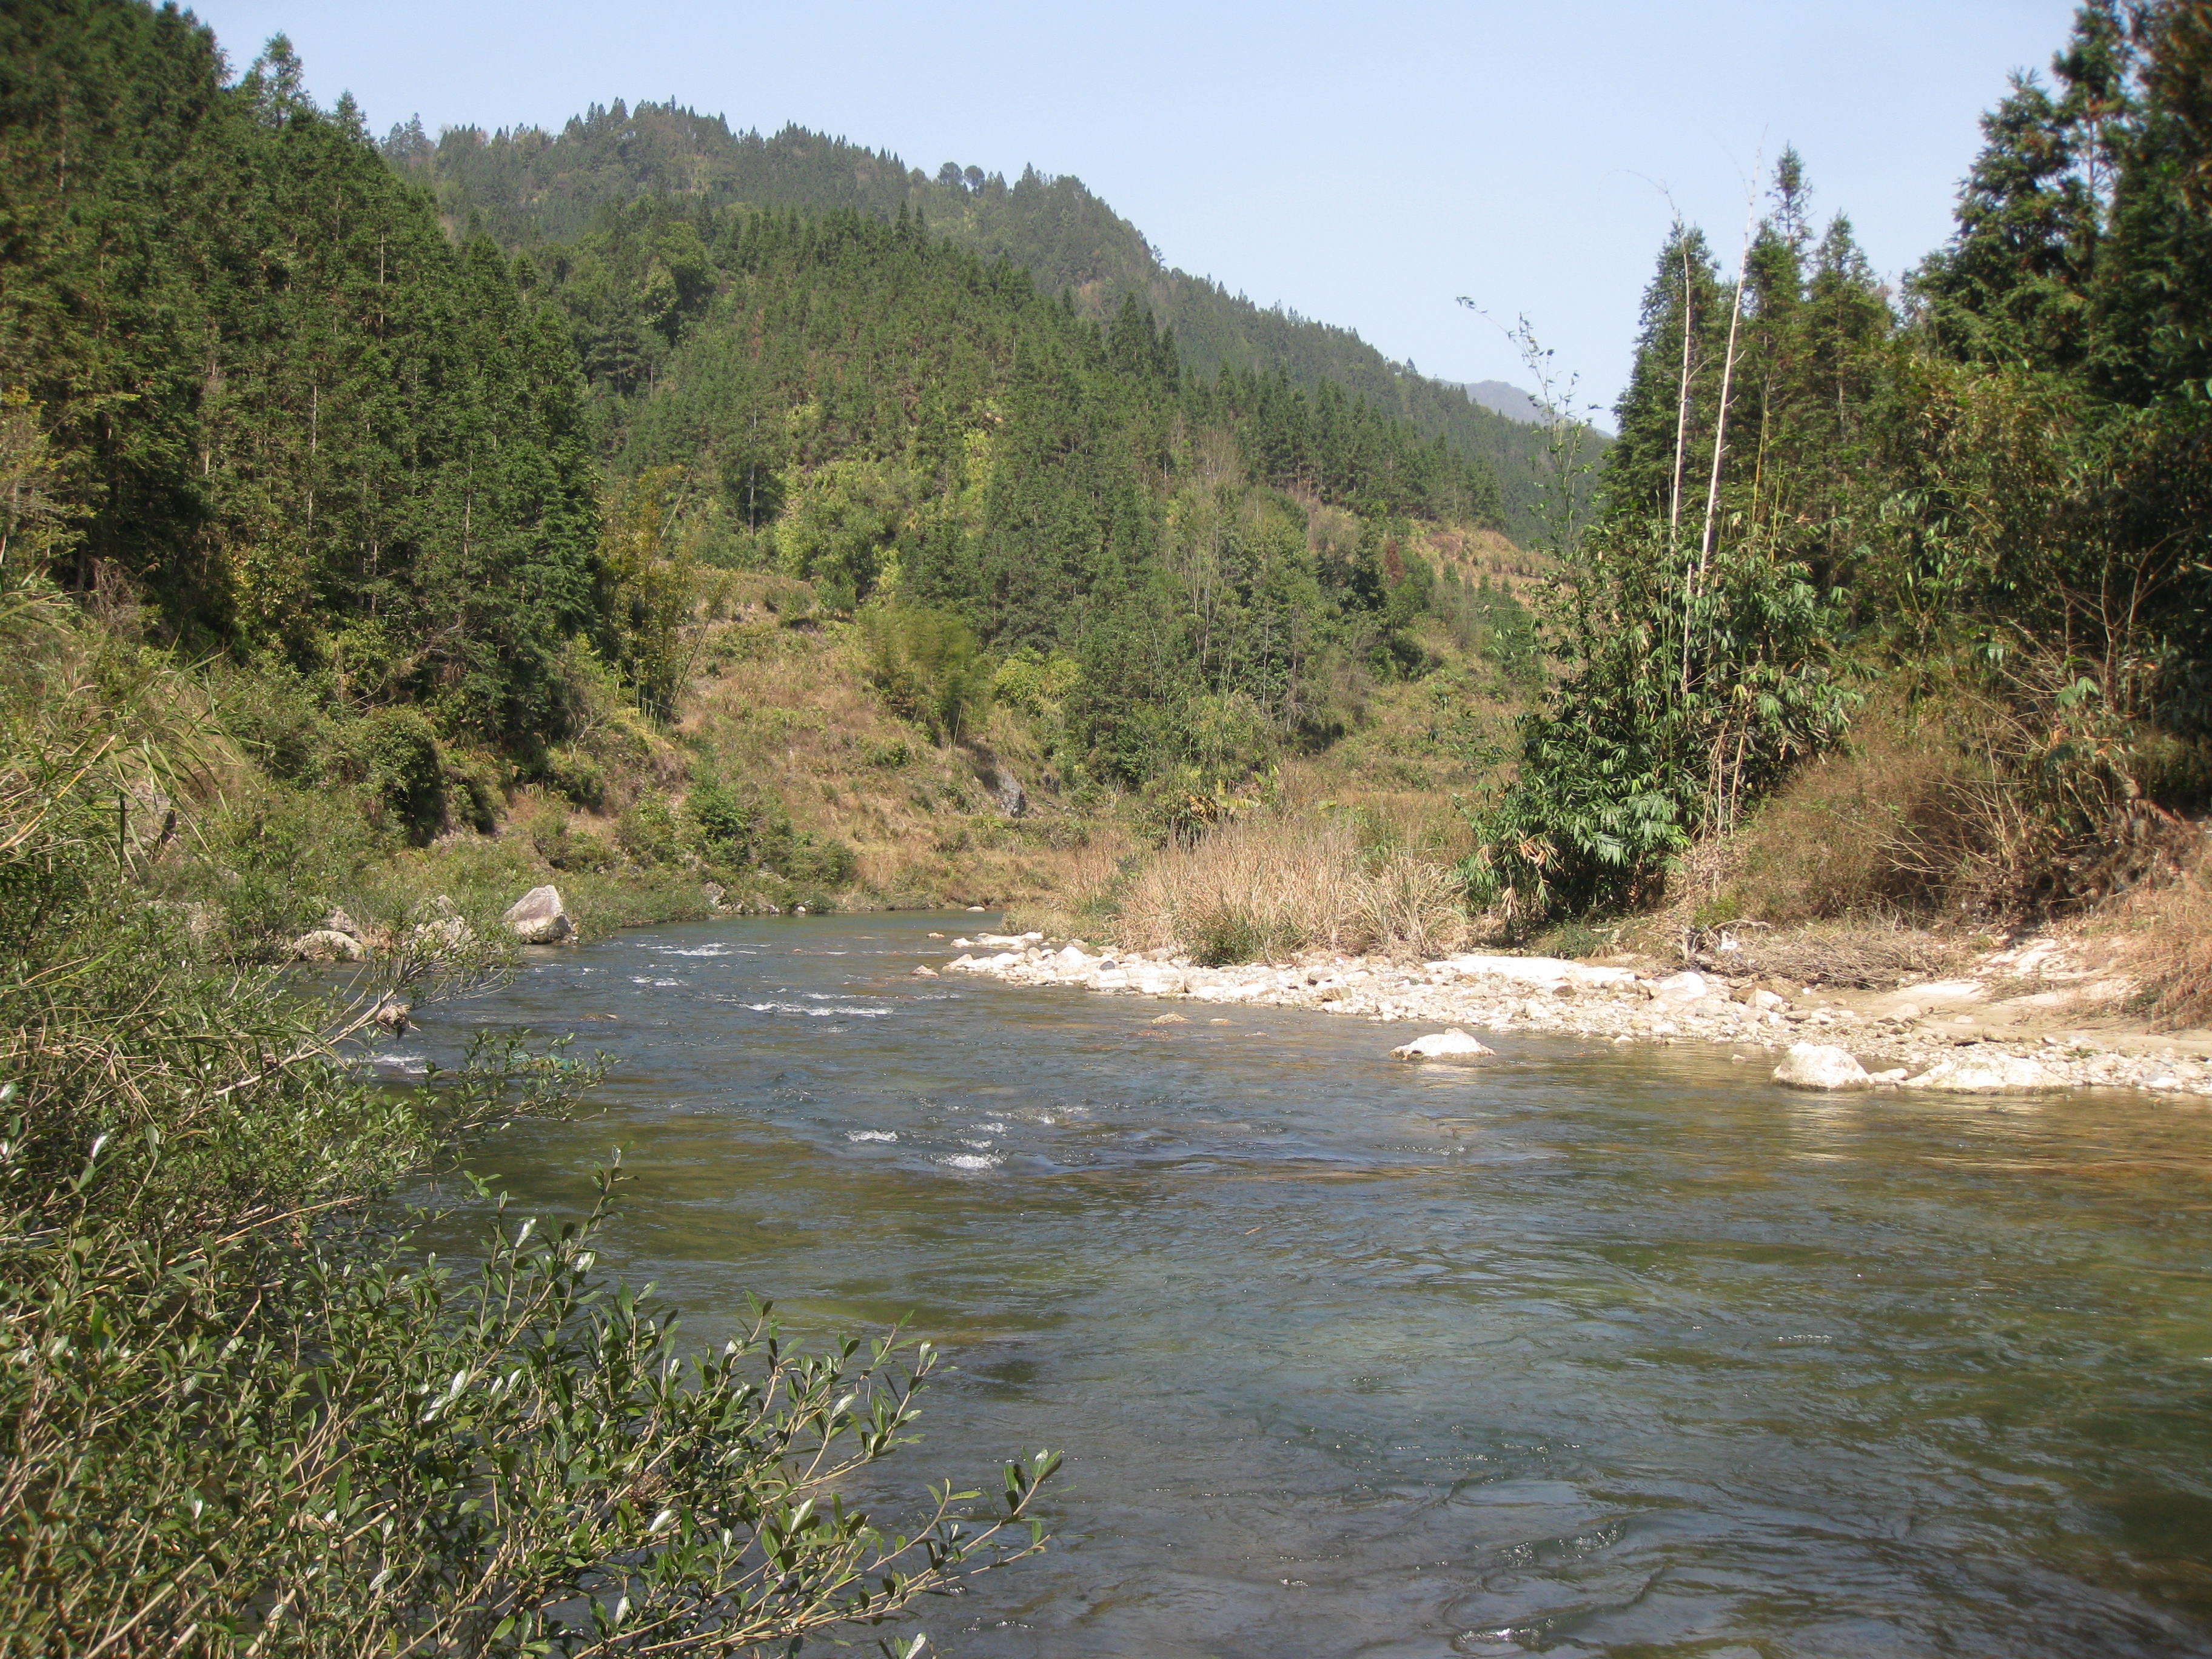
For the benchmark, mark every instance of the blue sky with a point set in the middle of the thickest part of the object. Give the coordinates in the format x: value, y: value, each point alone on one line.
x: 1360, y: 164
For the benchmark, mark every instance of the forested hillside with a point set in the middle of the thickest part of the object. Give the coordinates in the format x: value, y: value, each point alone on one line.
x: 886, y: 416
x: 524, y: 186
x: 442, y: 494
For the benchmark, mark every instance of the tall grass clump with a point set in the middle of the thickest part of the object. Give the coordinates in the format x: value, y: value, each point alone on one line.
x: 241, y: 1414
x: 1272, y: 885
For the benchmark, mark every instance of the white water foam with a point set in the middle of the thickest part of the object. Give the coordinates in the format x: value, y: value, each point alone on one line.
x: 871, y: 1134
x: 816, y: 1013
x: 969, y: 1161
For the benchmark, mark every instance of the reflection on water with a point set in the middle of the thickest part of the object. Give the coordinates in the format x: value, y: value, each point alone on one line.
x: 1586, y: 1350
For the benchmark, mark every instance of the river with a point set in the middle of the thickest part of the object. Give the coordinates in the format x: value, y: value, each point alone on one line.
x: 1586, y: 1350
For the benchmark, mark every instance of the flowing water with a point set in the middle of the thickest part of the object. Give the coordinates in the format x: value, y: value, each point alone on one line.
x: 1587, y: 1350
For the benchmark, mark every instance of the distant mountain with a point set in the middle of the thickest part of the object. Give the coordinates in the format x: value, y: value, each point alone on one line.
x: 1507, y: 399
x: 527, y: 187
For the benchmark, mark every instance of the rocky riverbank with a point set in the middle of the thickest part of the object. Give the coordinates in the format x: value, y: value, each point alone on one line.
x: 2028, y: 1018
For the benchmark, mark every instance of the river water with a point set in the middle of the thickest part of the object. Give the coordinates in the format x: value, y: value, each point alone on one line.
x: 1587, y: 1350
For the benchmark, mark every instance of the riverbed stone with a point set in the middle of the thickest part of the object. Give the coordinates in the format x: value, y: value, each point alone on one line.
x: 1688, y: 986
x: 538, y: 917
x: 328, y: 944
x: 1820, y: 1065
x: 1984, y: 1074
x: 1454, y: 1045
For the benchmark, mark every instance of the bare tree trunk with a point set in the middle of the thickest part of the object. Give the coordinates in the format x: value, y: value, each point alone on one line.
x: 1682, y: 397
x: 1720, y: 440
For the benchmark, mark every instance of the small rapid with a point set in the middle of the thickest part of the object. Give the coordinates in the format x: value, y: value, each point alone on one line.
x: 1588, y: 1349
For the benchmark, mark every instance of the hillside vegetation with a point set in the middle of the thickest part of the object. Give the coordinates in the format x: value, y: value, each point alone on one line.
x: 1898, y: 603
x: 526, y: 187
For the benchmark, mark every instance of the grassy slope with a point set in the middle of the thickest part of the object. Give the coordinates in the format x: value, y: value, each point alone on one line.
x: 788, y: 707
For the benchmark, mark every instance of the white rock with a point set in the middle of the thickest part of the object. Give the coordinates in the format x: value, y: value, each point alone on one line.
x: 538, y: 917
x: 1453, y: 1044
x: 1071, y: 956
x: 1532, y: 971
x: 447, y: 932
x: 1982, y: 1074
x: 1686, y: 987
x: 327, y: 945
x: 1820, y: 1065
x: 925, y: 972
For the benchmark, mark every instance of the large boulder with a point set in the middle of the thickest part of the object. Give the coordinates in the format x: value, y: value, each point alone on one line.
x: 1820, y: 1065
x: 328, y: 944
x: 538, y: 917
x: 1982, y: 1074
x: 1454, y: 1045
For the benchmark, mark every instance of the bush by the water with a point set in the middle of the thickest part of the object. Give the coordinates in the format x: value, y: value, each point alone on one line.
x: 243, y: 1413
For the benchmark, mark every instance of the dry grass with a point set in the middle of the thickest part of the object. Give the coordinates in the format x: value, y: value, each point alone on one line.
x: 1874, y: 953
x: 789, y: 709
x: 2163, y: 937
x: 1271, y: 886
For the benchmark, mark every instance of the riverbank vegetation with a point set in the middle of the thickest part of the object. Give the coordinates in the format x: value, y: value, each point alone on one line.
x: 1896, y: 600
x: 243, y: 1413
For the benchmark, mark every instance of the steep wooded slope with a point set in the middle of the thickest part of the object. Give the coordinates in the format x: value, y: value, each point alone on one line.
x: 527, y: 186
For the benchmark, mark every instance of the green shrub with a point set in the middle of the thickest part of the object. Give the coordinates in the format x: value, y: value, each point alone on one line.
x: 395, y: 755
x: 563, y: 846
x: 1224, y: 935
x: 646, y: 831
x: 472, y: 790
x: 272, y: 859
x: 576, y: 776
x: 823, y: 861
x: 929, y: 667
x: 278, y: 719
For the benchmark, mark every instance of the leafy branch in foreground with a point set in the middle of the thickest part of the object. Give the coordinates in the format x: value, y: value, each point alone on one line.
x: 238, y: 1417
x: 216, y: 1448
